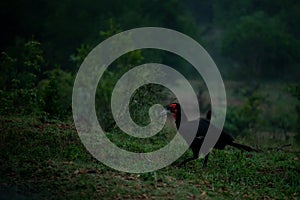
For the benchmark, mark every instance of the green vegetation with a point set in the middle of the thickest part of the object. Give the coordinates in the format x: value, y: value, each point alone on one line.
x: 261, y: 45
x: 47, y: 160
x: 255, y: 44
x: 295, y: 91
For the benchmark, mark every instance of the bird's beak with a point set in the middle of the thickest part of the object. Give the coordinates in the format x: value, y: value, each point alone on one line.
x: 164, y: 112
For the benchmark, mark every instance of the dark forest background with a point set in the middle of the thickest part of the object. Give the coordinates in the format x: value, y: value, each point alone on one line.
x: 262, y: 37
x: 43, y: 43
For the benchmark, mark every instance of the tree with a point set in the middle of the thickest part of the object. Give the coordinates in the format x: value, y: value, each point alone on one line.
x: 260, y: 45
x: 19, y: 79
x: 227, y: 12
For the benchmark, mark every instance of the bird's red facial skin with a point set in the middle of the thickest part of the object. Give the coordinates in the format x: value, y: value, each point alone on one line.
x: 174, y: 110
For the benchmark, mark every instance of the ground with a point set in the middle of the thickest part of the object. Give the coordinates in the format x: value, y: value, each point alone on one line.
x: 46, y: 160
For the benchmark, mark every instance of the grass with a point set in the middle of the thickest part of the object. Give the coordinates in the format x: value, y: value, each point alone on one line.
x: 48, y: 161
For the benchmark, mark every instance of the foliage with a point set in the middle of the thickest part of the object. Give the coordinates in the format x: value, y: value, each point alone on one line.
x: 141, y: 100
x: 227, y: 12
x: 19, y: 78
x: 55, y: 93
x: 23, y: 91
x: 55, y: 25
x: 295, y: 91
x: 81, y: 53
x: 248, y: 117
x: 261, y: 45
x: 23, y: 70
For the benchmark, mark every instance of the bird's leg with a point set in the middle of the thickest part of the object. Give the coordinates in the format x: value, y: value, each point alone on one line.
x: 187, y: 160
x: 195, y: 156
x: 205, y: 161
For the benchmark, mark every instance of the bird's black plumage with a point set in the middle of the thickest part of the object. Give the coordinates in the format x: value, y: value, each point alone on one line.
x: 224, y: 139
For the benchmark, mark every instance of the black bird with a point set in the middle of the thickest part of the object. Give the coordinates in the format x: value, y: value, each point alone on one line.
x: 224, y: 139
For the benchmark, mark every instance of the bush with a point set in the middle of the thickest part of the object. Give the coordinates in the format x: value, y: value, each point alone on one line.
x: 55, y: 93
x: 22, y: 90
x: 241, y: 120
x: 295, y: 91
x: 19, y: 78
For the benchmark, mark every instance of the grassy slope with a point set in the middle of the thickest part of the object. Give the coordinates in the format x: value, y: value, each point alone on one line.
x: 47, y: 160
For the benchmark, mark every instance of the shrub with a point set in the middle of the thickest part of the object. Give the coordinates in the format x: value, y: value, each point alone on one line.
x: 55, y: 93
x: 241, y: 120
x: 19, y: 78
x: 295, y: 91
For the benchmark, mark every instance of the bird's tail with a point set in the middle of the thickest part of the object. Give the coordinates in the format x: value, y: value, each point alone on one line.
x: 242, y: 147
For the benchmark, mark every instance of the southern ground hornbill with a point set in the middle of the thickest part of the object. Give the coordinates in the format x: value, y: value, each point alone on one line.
x: 224, y: 139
